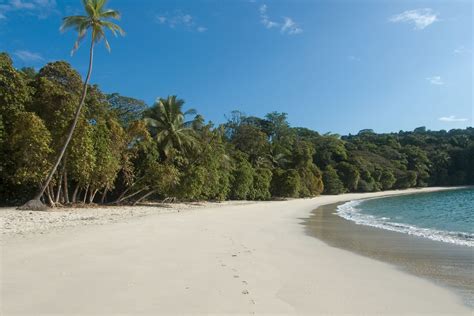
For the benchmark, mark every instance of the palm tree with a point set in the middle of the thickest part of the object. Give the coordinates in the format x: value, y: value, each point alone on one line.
x: 167, y: 124
x: 97, y: 21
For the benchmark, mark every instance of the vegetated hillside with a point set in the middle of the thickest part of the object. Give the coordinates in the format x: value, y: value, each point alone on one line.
x: 125, y: 152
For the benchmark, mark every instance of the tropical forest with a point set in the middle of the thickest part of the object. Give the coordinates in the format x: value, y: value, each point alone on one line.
x: 123, y: 151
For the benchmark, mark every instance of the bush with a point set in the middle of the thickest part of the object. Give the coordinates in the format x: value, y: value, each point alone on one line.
x: 286, y: 183
x: 349, y: 175
x: 242, y: 180
x: 311, y: 181
x: 332, y: 183
x: 406, y: 180
x: 261, y: 184
x: 387, y: 180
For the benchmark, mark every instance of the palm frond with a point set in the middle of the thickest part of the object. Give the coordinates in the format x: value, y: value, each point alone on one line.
x: 114, y: 28
x: 72, y: 22
x: 94, y: 20
x: 89, y: 7
x: 110, y: 14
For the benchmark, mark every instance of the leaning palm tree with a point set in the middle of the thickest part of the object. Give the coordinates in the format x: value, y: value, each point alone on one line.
x: 97, y: 21
x: 167, y: 124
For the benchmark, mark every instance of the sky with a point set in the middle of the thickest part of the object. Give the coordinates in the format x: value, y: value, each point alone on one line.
x: 333, y: 65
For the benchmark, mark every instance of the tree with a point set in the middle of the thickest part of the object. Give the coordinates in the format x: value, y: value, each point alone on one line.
x: 14, y: 93
x: 329, y: 149
x: 286, y: 183
x: 128, y: 109
x: 28, y: 147
x: 349, y: 175
x: 311, y: 181
x: 97, y: 21
x: 167, y: 124
x: 207, y: 171
x: 387, y: 179
x: 252, y: 141
x: 261, y: 183
x: 406, y: 179
x: 332, y: 183
x: 242, y: 178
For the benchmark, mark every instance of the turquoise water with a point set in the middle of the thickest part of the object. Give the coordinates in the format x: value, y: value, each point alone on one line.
x: 446, y: 216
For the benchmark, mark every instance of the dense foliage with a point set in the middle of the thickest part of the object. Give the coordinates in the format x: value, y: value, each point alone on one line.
x: 123, y: 151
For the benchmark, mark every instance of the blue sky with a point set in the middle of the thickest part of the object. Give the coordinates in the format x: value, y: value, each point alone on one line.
x: 332, y: 65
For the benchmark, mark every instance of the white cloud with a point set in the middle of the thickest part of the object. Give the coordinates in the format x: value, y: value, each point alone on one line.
x: 421, y: 18
x: 265, y: 19
x: 28, y: 56
x: 290, y: 27
x: 39, y: 8
x: 461, y: 50
x: 287, y: 26
x: 452, y: 118
x: 179, y: 19
x: 19, y: 4
x: 436, y: 80
x: 160, y: 19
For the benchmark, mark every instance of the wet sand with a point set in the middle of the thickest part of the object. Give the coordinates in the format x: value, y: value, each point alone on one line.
x: 445, y: 264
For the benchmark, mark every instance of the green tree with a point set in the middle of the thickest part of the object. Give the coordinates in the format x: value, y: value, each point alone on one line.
x: 311, y: 181
x: 167, y: 124
x: 387, y: 179
x: 242, y: 179
x: 349, y: 175
x: 332, y: 183
x: 14, y: 92
x: 97, y: 21
x: 28, y: 146
x: 286, y: 183
x: 252, y: 141
x: 261, y: 184
x: 329, y: 149
x: 406, y: 179
x: 128, y: 110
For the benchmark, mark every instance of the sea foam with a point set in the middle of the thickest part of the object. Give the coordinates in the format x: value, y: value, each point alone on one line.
x: 350, y: 211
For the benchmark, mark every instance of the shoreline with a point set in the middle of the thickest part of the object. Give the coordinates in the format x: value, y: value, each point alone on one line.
x: 250, y: 258
x: 446, y: 264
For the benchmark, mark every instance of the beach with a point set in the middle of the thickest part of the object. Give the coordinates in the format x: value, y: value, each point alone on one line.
x: 444, y: 263
x: 231, y: 258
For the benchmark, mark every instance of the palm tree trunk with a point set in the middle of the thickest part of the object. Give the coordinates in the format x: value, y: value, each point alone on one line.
x: 74, y: 194
x: 33, y: 204
x: 60, y: 183
x: 144, y: 197
x: 65, y: 186
x: 130, y: 195
x: 92, y: 195
x: 85, y: 195
x: 104, y: 194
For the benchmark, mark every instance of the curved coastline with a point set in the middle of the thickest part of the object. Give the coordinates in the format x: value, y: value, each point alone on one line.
x: 351, y: 212
x: 446, y: 264
x: 241, y: 259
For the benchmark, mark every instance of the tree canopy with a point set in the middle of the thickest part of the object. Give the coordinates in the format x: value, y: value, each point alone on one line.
x: 124, y: 151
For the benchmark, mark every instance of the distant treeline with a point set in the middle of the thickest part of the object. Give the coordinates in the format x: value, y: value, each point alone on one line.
x: 126, y: 152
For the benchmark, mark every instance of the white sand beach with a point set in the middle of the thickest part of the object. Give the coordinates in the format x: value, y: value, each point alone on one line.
x: 244, y: 258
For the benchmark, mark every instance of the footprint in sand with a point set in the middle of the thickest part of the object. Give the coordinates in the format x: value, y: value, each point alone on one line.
x: 245, y: 292
x: 245, y: 282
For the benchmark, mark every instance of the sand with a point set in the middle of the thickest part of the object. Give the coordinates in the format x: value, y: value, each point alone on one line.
x: 252, y: 258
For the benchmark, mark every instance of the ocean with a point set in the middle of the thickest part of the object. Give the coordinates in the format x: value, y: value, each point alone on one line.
x: 446, y: 216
